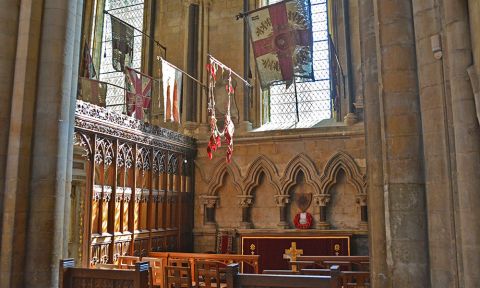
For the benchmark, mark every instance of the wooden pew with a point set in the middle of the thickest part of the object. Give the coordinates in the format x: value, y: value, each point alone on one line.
x: 72, y: 277
x: 346, y: 262
x: 237, y: 280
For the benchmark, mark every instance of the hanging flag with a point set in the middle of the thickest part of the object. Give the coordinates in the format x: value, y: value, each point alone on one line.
x: 88, y: 67
x: 282, y: 42
x: 139, y: 91
x: 172, y: 91
x: 122, y: 44
x: 92, y: 91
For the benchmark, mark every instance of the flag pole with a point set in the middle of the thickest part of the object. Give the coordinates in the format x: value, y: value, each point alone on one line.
x: 230, y: 69
x: 183, y: 72
x: 143, y: 33
x: 244, y: 14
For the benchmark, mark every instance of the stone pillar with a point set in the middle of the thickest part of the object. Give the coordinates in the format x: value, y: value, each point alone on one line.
x: 321, y: 201
x: 401, y: 150
x: 437, y: 149
x: 467, y: 139
x: 49, y: 164
x: 245, y: 202
x: 9, y: 14
x: 13, y: 151
x: 376, y: 201
x: 362, y: 202
x: 209, y: 203
x: 282, y: 201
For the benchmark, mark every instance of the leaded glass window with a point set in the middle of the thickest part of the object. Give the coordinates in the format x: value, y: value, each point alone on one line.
x: 314, y: 103
x: 130, y: 11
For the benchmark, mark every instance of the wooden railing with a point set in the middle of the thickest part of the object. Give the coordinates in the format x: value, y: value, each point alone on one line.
x: 251, y: 260
x: 71, y: 277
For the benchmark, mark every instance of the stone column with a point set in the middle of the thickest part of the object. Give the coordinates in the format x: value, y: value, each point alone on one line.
x: 467, y: 139
x: 51, y: 140
x: 245, y: 202
x: 437, y: 149
x: 376, y: 200
x: 362, y: 202
x: 401, y: 150
x: 282, y: 201
x: 209, y: 203
x: 321, y: 201
x: 18, y: 88
x: 9, y: 14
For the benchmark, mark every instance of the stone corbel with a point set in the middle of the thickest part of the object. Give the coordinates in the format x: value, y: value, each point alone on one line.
x: 362, y: 201
x: 209, y: 201
x: 245, y: 201
x: 282, y: 200
x: 321, y: 199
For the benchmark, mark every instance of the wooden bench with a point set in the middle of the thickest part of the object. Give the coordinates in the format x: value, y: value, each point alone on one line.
x: 237, y: 280
x: 72, y: 277
x: 360, y: 263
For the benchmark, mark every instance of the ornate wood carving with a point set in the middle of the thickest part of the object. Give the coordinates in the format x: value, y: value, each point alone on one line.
x: 141, y: 153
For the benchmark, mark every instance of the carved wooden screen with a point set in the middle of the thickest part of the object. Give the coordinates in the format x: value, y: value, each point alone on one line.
x: 138, y: 186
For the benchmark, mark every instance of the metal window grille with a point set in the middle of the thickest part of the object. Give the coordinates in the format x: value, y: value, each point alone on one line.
x: 314, y: 103
x: 130, y: 11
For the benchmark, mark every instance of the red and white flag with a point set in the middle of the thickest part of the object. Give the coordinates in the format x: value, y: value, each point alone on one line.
x: 282, y: 41
x: 172, y: 92
x: 139, y: 91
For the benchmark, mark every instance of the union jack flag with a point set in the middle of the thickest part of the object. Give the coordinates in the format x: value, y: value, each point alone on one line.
x: 139, y: 91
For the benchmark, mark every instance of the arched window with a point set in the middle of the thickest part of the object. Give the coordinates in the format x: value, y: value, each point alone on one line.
x: 312, y: 101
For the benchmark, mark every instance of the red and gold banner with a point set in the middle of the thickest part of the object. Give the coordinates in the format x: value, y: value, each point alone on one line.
x: 282, y: 41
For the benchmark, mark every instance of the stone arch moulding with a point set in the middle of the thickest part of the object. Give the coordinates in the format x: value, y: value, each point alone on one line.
x: 307, y: 166
x: 252, y: 179
x: 217, y: 178
x: 342, y: 160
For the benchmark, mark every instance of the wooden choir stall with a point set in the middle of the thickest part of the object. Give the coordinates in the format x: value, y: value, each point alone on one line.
x: 137, y: 192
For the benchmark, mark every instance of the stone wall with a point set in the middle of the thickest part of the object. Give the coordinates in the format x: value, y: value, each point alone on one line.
x: 268, y: 169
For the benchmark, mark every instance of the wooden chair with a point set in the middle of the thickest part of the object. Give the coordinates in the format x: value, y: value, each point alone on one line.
x: 156, y: 271
x: 207, y: 274
x: 127, y: 262
x: 177, y: 277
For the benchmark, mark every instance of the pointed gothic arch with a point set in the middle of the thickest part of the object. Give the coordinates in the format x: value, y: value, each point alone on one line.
x: 343, y: 161
x: 261, y: 165
x: 218, y: 175
x: 303, y: 163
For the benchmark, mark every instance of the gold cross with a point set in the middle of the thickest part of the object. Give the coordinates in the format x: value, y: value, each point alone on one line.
x: 292, y: 253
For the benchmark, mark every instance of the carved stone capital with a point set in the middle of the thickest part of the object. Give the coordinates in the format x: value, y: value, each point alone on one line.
x: 209, y: 201
x: 282, y: 200
x: 321, y: 199
x: 362, y: 199
x: 245, y: 201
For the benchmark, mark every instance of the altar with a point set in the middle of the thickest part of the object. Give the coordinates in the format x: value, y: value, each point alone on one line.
x: 271, y: 246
